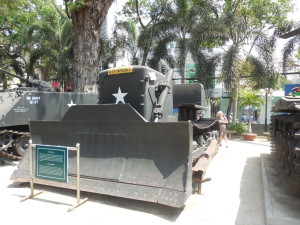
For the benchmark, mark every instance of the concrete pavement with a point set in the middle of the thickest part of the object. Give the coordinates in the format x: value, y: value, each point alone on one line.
x: 282, y: 199
x: 233, y: 196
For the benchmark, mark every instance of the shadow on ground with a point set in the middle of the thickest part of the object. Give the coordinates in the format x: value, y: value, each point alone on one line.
x: 162, y: 211
x: 263, y: 142
x: 251, y: 208
x: 283, y: 192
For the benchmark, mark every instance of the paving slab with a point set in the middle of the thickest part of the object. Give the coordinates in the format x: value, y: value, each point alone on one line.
x: 282, y: 207
x: 234, y: 196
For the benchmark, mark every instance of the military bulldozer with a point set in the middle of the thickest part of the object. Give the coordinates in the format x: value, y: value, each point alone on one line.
x: 35, y: 101
x: 132, y: 144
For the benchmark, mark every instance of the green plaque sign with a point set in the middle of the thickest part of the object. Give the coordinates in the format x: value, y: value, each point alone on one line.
x: 51, y: 163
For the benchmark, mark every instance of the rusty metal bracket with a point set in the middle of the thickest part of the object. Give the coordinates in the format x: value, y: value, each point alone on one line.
x: 201, y: 166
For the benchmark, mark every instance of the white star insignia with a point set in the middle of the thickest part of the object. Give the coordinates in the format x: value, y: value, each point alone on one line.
x: 71, y: 104
x: 119, y: 96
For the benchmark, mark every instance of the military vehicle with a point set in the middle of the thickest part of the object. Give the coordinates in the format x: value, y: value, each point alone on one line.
x: 285, y: 133
x: 37, y: 100
x: 132, y: 145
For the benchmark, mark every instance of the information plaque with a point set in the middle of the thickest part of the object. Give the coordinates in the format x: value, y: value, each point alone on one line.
x: 52, y: 163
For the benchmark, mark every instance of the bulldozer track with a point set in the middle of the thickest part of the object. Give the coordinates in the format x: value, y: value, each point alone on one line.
x: 14, y: 132
x: 11, y: 154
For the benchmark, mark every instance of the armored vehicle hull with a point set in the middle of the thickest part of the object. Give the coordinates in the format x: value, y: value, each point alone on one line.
x: 18, y: 107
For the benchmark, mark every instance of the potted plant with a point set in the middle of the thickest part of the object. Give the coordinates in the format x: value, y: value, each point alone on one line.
x: 238, y: 128
x: 250, y: 100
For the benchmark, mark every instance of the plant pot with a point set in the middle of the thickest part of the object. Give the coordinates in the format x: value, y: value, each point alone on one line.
x: 249, y: 137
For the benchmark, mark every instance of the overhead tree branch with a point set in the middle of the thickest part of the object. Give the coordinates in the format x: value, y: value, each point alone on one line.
x: 138, y: 14
x: 58, y: 10
x: 67, y: 8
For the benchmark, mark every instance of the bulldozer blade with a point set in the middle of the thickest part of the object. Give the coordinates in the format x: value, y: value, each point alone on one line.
x: 121, y: 153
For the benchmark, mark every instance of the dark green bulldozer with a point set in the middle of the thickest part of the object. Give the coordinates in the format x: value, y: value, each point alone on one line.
x: 133, y: 145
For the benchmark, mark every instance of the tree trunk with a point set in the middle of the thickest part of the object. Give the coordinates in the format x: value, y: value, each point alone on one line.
x: 87, y: 21
x: 249, y: 120
x: 145, y: 56
x: 229, y: 108
x: 181, y: 59
x: 4, y: 81
x: 234, y: 108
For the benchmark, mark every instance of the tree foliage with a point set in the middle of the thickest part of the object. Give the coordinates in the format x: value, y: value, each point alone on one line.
x: 127, y: 34
x: 247, y: 20
x: 288, y: 51
x: 206, y: 67
x: 34, y: 34
x: 263, y: 73
x: 37, y: 33
x: 251, y: 100
x: 188, y: 25
x: 191, y: 26
x: 146, y: 14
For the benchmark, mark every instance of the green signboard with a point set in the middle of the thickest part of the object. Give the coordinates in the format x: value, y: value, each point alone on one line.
x: 51, y: 163
x: 190, y: 72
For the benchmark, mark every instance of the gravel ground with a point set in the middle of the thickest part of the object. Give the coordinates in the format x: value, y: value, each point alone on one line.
x: 233, y: 196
